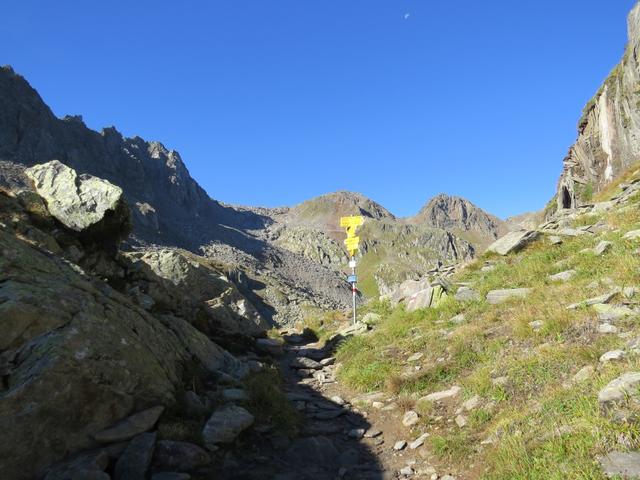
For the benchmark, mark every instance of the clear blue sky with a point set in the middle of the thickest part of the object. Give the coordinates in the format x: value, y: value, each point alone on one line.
x: 273, y: 102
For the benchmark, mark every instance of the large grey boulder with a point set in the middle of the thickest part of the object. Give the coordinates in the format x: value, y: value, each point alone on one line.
x: 225, y: 425
x: 513, y: 242
x: 86, y: 204
x: 409, y: 288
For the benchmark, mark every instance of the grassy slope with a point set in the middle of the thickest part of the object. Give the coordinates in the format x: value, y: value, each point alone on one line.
x: 542, y: 425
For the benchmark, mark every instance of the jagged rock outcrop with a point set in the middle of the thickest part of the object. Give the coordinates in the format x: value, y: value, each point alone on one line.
x: 608, y: 131
x: 462, y: 217
x: 168, y: 207
x: 69, y: 342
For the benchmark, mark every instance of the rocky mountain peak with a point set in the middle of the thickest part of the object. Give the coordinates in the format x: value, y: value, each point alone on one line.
x: 326, y: 210
x: 460, y: 215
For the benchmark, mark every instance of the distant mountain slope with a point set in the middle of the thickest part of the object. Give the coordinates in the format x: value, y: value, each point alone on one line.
x: 283, y: 259
x: 459, y: 215
x: 169, y: 207
x: 608, y: 131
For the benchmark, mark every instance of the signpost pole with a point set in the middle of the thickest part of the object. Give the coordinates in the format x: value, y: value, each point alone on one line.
x: 353, y: 287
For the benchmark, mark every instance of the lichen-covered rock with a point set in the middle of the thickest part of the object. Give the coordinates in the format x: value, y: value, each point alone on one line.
x: 72, y: 344
x: 86, y: 204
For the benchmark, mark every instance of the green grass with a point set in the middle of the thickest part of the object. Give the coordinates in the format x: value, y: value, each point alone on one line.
x: 268, y: 403
x: 543, y: 426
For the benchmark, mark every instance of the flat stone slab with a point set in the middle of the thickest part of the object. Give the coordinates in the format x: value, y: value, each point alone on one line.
x: 466, y: 294
x: 562, y: 276
x: 513, y: 242
x: 225, y: 425
x: 632, y: 235
x: 498, y: 296
x: 442, y: 395
x: 130, y: 426
x: 623, y: 464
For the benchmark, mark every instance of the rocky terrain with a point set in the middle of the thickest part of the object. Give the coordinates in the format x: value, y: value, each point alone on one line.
x: 148, y: 331
x: 608, y: 141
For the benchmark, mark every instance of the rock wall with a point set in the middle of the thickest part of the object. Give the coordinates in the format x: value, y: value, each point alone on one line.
x: 608, y: 131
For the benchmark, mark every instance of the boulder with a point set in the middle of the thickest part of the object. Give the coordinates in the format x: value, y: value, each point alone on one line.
x: 225, y: 425
x: 562, y: 276
x: 410, y: 418
x: 513, y: 242
x: 602, y: 247
x: 620, y: 464
x: 618, y: 392
x: 407, y: 289
x: 466, y: 294
x: 271, y: 346
x: 136, y: 458
x: 130, y: 426
x: 102, y: 356
x: 426, y: 298
x: 179, y: 456
x: 305, y: 362
x: 453, y: 392
x: 632, y: 235
x: 612, y: 356
x: 89, y: 205
x: 609, y: 313
x: 498, y: 296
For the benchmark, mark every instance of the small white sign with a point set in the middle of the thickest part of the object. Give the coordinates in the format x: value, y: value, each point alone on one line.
x: 352, y: 264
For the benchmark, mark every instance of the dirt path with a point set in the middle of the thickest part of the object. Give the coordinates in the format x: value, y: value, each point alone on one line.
x: 344, y: 436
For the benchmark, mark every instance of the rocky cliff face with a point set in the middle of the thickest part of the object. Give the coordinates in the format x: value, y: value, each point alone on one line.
x: 608, y: 131
x: 168, y: 207
x: 459, y: 215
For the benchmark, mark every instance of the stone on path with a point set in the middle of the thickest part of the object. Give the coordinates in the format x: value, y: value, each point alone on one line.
x: 372, y: 433
x: 461, y: 421
x: 131, y: 426
x: 305, y: 363
x: 271, y: 346
x: 513, y: 242
x: 418, y: 442
x: 224, y: 425
x: 406, y: 471
x: 410, y: 418
x: 399, y: 445
x: 536, y: 325
x: 136, y: 458
x: 179, y: 456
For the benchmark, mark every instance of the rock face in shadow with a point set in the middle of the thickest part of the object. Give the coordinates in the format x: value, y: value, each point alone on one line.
x: 608, y: 130
x: 78, y: 356
x: 168, y: 207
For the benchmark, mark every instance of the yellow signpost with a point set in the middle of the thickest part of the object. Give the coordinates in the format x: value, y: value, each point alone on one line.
x: 352, y: 242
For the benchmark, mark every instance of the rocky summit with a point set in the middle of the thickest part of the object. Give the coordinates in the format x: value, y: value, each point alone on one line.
x: 148, y: 331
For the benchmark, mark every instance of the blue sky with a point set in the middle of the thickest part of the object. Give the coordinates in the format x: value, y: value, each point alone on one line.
x: 273, y: 102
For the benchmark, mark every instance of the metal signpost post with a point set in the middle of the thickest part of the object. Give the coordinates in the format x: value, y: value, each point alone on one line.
x: 351, y: 224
